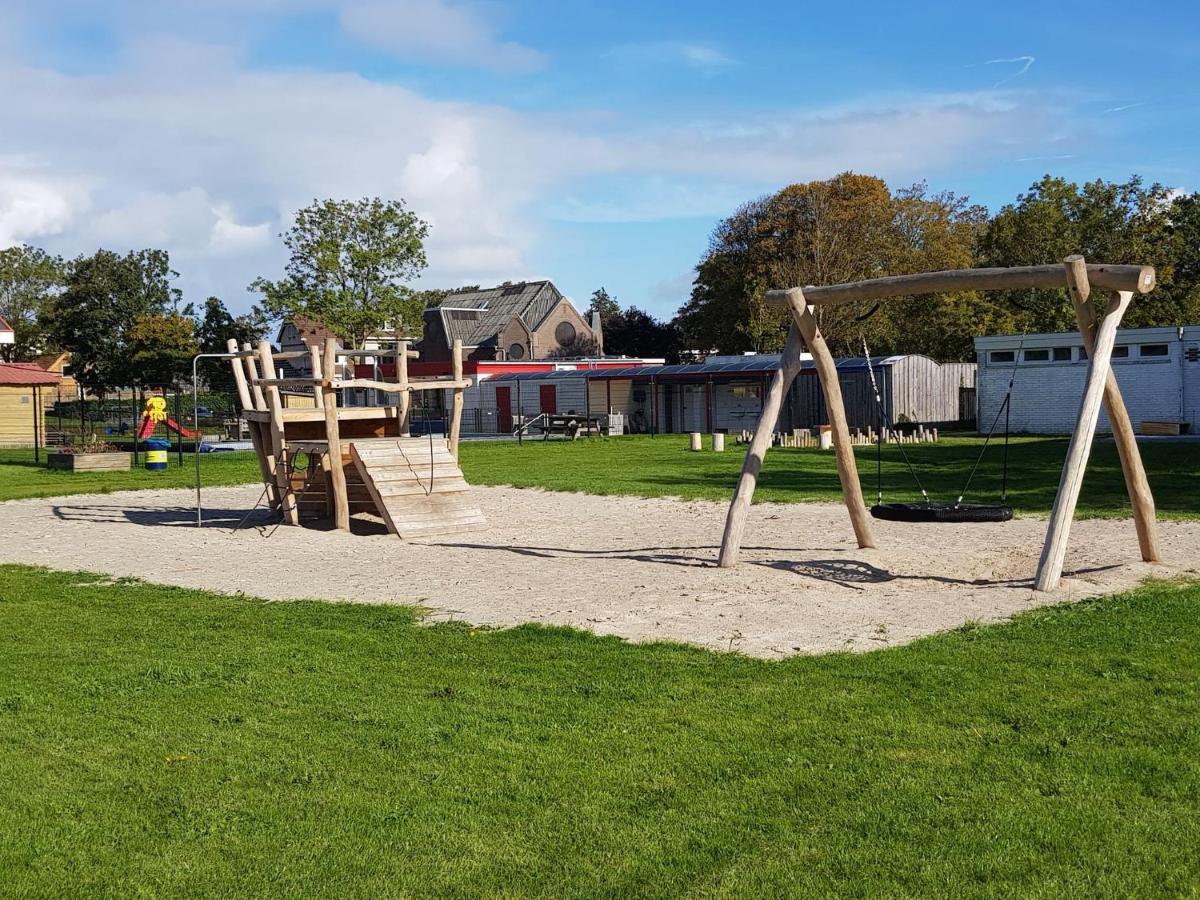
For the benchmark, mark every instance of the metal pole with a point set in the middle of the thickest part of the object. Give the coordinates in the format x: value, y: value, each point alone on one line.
x: 520, y: 419
x: 196, y: 417
x: 178, y: 428
x: 37, y: 456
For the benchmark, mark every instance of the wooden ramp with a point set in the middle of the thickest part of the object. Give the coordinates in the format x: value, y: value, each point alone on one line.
x: 418, y: 489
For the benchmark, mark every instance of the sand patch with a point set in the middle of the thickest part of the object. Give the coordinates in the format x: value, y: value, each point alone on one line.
x: 640, y: 568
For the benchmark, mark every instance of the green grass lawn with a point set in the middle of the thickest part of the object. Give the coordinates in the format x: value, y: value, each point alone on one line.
x: 662, y: 466
x: 157, y: 741
x: 21, y: 478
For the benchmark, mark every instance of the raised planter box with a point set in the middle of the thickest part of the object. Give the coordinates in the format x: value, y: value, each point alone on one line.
x: 89, y: 462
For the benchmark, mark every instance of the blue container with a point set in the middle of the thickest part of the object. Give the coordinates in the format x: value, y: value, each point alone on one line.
x: 156, y: 454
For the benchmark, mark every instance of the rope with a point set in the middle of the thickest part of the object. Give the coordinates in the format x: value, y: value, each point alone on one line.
x: 1005, y: 407
x: 886, y: 424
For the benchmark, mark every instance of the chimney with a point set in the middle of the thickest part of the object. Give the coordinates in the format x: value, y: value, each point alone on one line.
x: 598, y: 332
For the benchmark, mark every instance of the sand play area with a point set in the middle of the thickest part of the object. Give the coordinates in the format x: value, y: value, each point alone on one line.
x: 642, y: 569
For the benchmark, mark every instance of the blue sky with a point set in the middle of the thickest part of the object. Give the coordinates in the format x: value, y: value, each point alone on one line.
x: 594, y: 144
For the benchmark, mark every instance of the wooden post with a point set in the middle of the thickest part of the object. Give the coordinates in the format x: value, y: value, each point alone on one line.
x: 402, y: 380
x: 836, y: 410
x: 457, y: 407
x: 739, y: 507
x: 337, y: 482
x: 1054, y: 551
x: 1136, y: 483
x: 287, y: 498
x: 314, y: 363
x: 266, y: 466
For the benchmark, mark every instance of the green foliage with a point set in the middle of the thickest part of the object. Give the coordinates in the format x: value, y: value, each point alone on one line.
x: 213, y: 331
x: 167, y: 742
x: 29, y: 280
x: 94, y: 316
x: 162, y: 346
x: 825, y: 232
x: 634, y: 332
x: 1103, y: 220
x: 347, y: 261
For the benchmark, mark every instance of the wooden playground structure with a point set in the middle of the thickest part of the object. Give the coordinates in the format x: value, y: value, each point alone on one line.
x: 1098, y: 327
x: 356, y: 459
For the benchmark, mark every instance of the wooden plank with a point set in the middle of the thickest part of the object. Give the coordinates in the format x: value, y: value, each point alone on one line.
x: 1054, y: 550
x: 287, y: 498
x: 1137, y: 485
x: 456, y: 406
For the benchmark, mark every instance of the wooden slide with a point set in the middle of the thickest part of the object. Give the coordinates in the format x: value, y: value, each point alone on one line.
x: 417, y: 486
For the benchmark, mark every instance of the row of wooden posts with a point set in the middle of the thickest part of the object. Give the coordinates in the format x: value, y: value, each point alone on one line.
x: 808, y: 437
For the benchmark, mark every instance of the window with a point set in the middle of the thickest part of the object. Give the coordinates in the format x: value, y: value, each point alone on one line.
x: 1002, y: 356
x: 1062, y: 354
x: 564, y: 333
x: 1037, y: 355
x: 516, y: 351
x: 1120, y: 353
x: 1154, y: 350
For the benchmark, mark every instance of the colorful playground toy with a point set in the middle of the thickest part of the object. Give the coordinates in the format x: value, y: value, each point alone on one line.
x: 155, y: 412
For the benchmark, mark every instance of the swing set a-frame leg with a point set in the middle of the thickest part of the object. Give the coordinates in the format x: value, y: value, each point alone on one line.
x: 735, y: 519
x: 804, y: 325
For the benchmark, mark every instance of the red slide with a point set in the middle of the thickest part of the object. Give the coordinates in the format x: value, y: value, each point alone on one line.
x: 179, y: 429
x: 146, y: 429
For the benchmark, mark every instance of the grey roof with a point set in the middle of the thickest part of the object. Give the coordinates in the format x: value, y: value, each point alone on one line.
x: 760, y: 364
x: 476, y: 317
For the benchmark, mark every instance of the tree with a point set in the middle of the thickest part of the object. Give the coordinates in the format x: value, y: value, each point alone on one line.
x: 606, y: 306
x: 634, y: 332
x: 847, y: 228
x: 104, y: 296
x: 29, y: 279
x: 214, y: 329
x: 347, y: 261
x: 161, y: 346
x: 1106, y: 221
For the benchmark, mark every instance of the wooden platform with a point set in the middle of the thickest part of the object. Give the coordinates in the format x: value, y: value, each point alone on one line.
x: 416, y: 485
x: 1163, y: 426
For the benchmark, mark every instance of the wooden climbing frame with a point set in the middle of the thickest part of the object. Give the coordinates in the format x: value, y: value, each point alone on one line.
x: 1099, y: 331
x: 368, y: 460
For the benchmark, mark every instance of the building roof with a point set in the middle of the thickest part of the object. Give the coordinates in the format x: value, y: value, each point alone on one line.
x: 727, y: 367
x: 26, y: 375
x: 312, y: 332
x: 476, y: 317
x: 6, y: 331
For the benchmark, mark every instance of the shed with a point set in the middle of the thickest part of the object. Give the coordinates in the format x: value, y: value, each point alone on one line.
x: 1158, y: 370
x: 22, y: 409
x: 724, y: 393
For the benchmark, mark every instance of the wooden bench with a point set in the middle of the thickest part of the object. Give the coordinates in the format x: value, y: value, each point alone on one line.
x: 570, y: 426
x: 1163, y: 426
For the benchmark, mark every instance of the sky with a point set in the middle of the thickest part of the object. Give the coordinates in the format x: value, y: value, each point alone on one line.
x: 595, y: 144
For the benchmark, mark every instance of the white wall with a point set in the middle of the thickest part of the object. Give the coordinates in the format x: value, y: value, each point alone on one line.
x: 1046, y: 395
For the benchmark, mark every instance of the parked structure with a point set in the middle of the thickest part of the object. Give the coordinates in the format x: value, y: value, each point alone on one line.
x: 23, y: 405
x: 724, y: 393
x: 1158, y: 370
x: 522, y: 321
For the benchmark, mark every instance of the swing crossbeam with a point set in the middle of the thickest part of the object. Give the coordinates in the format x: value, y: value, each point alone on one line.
x: 1098, y: 329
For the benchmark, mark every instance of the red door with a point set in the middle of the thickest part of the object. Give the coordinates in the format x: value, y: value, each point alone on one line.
x: 548, y: 398
x: 504, y: 423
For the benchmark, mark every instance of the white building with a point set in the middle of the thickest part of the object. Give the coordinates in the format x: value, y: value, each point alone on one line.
x: 1158, y: 370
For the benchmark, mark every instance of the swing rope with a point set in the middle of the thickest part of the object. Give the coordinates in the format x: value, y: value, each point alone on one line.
x: 885, y: 425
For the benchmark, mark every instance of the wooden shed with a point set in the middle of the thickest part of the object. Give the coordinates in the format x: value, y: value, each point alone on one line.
x: 22, y: 405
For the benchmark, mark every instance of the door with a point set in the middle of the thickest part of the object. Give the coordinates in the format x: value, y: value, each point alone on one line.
x: 504, y: 422
x: 548, y: 398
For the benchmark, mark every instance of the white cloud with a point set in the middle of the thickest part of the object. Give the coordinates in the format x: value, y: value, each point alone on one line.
x: 703, y: 57
x: 185, y: 148
x: 436, y: 31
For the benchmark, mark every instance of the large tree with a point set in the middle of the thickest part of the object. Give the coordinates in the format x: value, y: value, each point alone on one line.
x: 104, y: 297
x: 161, y: 346
x: 214, y: 328
x: 824, y: 232
x: 29, y: 280
x: 348, y: 263
x: 1113, y: 222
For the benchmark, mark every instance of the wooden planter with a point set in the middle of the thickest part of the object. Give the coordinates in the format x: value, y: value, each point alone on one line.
x: 89, y: 462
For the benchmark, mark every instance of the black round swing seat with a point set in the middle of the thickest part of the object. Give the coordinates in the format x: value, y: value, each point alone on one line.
x: 941, y: 512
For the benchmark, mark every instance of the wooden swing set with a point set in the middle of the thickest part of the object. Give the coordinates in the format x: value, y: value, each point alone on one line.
x: 1098, y: 328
